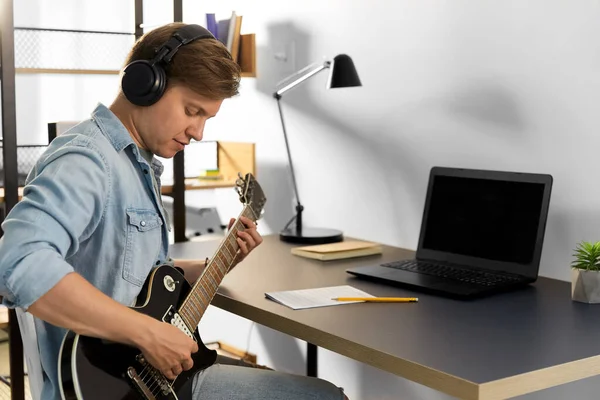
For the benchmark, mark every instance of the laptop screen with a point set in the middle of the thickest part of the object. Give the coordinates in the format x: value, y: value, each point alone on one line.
x: 486, y: 219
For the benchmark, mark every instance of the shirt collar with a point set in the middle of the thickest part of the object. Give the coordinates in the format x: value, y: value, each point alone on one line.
x: 112, y: 127
x: 116, y: 133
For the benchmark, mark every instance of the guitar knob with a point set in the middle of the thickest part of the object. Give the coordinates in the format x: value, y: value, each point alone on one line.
x: 169, y: 283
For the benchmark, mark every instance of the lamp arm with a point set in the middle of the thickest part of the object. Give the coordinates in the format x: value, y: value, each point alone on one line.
x: 310, y: 72
x: 299, y: 207
x: 307, y: 75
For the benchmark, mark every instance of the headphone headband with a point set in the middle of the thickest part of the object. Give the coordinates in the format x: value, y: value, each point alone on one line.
x: 183, y: 36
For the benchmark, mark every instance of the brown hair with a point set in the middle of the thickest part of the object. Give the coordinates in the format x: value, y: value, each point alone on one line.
x: 204, y: 65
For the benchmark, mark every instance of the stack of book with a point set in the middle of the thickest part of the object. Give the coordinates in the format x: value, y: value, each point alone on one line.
x: 227, y: 31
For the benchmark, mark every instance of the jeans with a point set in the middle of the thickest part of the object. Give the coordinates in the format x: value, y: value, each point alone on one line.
x: 228, y: 382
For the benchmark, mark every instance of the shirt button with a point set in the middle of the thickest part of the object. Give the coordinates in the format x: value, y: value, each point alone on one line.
x: 145, y: 171
x: 157, y: 262
x: 143, y: 223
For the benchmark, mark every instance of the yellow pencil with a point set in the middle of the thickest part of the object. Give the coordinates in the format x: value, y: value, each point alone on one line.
x: 379, y: 299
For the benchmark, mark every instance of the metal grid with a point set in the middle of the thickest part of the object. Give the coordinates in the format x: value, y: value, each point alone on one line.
x: 71, y: 50
x: 27, y: 156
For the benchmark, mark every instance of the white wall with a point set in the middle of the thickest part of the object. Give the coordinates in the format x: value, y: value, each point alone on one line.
x: 489, y: 84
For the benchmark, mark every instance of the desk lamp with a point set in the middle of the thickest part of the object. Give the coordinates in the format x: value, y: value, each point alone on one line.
x: 341, y: 74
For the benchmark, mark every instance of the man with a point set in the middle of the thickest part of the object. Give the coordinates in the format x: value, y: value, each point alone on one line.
x: 90, y: 227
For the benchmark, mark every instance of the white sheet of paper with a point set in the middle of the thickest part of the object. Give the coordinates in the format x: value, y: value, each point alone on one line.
x: 318, y: 297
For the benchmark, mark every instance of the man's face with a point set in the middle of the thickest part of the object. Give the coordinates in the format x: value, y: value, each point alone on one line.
x: 179, y: 116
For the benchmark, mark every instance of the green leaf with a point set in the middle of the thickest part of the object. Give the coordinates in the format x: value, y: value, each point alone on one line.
x: 587, y: 256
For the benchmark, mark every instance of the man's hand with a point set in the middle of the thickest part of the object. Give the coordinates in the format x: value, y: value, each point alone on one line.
x: 168, y: 349
x: 247, y: 239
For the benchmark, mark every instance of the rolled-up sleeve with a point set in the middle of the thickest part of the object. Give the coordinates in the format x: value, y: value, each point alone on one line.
x: 61, y: 206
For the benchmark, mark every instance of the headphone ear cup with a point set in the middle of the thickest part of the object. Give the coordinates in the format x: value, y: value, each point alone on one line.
x: 142, y: 83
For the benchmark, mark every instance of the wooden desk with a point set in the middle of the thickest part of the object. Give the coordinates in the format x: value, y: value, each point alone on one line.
x: 492, y: 348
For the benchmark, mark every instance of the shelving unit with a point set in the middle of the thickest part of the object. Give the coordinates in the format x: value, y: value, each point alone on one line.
x: 233, y: 157
x: 247, y: 61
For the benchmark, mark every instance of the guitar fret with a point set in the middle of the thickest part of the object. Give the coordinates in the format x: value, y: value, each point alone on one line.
x: 224, y: 261
x: 223, y: 266
x: 186, y: 319
x: 211, y: 280
x: 233, y: 246
x: 200, y: 293
x: 239, y: 226
x: 219, y: 272
x: 215, y: 276
x: 203, y: 302
x: 183, y: 312
x: 206, y: 291
x: 197, y: 303
x: 192, y: 309
x: 233, y: 238
x: 229, y: 253
x: 226, y: 250
x: 190, y: 317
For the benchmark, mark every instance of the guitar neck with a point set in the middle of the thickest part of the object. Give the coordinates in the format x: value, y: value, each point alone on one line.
x: 193, y: 307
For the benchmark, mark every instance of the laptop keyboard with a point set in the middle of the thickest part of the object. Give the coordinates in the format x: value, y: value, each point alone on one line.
x: 449, y: 272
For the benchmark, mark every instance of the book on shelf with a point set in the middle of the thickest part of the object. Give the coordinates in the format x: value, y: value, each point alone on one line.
x: 211, y: 24
x: 337, y: 251
x: 228, y: 32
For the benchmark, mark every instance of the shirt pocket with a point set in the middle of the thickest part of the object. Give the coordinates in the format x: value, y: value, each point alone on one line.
x: 143, y: 245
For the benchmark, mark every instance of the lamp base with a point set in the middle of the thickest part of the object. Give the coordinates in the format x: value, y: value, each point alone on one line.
x: 311, y: 236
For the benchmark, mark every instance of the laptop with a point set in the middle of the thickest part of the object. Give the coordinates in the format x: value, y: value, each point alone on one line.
x: 482, y: 233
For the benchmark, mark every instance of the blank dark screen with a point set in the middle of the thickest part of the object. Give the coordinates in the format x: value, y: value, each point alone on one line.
x: 484, y: 218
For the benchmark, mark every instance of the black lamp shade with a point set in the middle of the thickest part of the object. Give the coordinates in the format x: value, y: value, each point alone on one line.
x: 343, y: 74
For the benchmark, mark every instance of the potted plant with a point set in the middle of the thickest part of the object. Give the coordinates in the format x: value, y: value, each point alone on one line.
x: 585, y: 273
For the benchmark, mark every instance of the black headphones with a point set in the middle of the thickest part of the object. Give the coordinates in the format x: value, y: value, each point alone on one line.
x: 144, y: 81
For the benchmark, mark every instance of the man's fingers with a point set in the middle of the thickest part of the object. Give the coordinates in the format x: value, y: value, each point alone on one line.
x: 187, y: 364
x: 248, y: 239
x: 243, y: 246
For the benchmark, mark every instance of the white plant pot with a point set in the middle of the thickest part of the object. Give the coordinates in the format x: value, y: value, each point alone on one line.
x: 585, y: 286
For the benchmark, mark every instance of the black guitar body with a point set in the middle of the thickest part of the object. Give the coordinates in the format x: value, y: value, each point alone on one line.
x: 95, y: 369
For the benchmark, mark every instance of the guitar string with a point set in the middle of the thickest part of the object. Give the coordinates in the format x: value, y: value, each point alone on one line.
x: 146, y: 374
x: 153, y: 386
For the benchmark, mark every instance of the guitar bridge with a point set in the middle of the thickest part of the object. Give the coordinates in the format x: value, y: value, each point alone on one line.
x: 156, y: 377
x: 139, y: 383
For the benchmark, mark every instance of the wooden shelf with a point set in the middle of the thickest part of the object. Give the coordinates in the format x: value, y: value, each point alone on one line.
x: 246, y: 59
x: 232, y: 158
x: 247, y: 55
x: 66, y: 71
x: 197, y: 184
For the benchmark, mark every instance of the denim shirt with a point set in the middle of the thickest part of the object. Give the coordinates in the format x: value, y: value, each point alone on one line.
x: 89, y: 206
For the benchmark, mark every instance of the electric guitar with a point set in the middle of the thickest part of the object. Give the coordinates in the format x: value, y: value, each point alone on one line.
x: 93, y: 369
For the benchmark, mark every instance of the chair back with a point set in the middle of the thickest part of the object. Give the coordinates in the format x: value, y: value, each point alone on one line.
x: 32, y: 355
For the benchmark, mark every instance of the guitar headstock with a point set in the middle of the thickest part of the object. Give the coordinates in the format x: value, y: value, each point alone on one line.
x: 251, y: 194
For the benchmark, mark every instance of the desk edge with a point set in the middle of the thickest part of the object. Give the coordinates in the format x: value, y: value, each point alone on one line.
x: 427, y: 376
x: 540, y: 379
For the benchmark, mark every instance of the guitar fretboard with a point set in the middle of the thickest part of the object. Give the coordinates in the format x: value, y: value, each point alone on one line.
x: 203, y: 291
